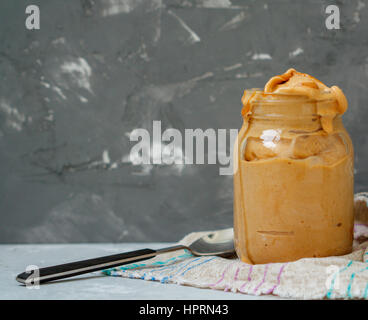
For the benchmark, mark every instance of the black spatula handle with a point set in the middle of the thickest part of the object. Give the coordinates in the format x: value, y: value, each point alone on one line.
x: 85, y: 266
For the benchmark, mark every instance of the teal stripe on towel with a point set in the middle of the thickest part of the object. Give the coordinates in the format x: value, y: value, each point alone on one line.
x: 330, y: 291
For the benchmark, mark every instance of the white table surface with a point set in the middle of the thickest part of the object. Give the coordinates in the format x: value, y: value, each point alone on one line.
x: 15, y: 258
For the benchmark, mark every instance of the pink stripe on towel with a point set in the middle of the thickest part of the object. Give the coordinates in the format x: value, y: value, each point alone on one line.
x: 278, y: 279
x: 236, y: 273
x: 222, y: 276
x: 250, y: 272
x: 248, y: 280
x: 360, y: 224
x: 263, y: 280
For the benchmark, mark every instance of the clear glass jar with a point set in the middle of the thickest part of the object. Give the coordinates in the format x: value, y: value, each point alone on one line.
x: 294, y: 183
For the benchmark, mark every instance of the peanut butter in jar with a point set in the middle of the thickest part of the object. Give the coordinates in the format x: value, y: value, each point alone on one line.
x: 294, y: 183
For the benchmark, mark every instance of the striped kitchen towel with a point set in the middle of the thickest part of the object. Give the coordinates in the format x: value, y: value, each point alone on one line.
x: 342, y: 277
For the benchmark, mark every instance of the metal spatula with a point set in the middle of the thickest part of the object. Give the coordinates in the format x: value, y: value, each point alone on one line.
x: 217, y: 243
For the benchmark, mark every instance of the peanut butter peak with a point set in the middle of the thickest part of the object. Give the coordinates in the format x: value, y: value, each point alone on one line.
x: 296, y: 83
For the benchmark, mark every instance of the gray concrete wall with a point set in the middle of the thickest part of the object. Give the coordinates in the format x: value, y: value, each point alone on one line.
x: 71, y: 91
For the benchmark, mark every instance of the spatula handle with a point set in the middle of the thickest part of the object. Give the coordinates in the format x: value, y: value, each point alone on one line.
x: 67, y: 270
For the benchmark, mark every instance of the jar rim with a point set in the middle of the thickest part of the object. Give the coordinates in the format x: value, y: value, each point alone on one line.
x: 272, y: 97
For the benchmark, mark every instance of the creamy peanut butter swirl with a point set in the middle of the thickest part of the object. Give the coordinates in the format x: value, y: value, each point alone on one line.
x: 294, y: 83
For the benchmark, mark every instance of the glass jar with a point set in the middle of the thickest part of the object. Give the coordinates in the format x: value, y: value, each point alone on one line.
x: 293, y: 185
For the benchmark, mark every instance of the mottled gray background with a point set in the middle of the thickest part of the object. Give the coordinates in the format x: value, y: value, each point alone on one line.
x: 71, y: 92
